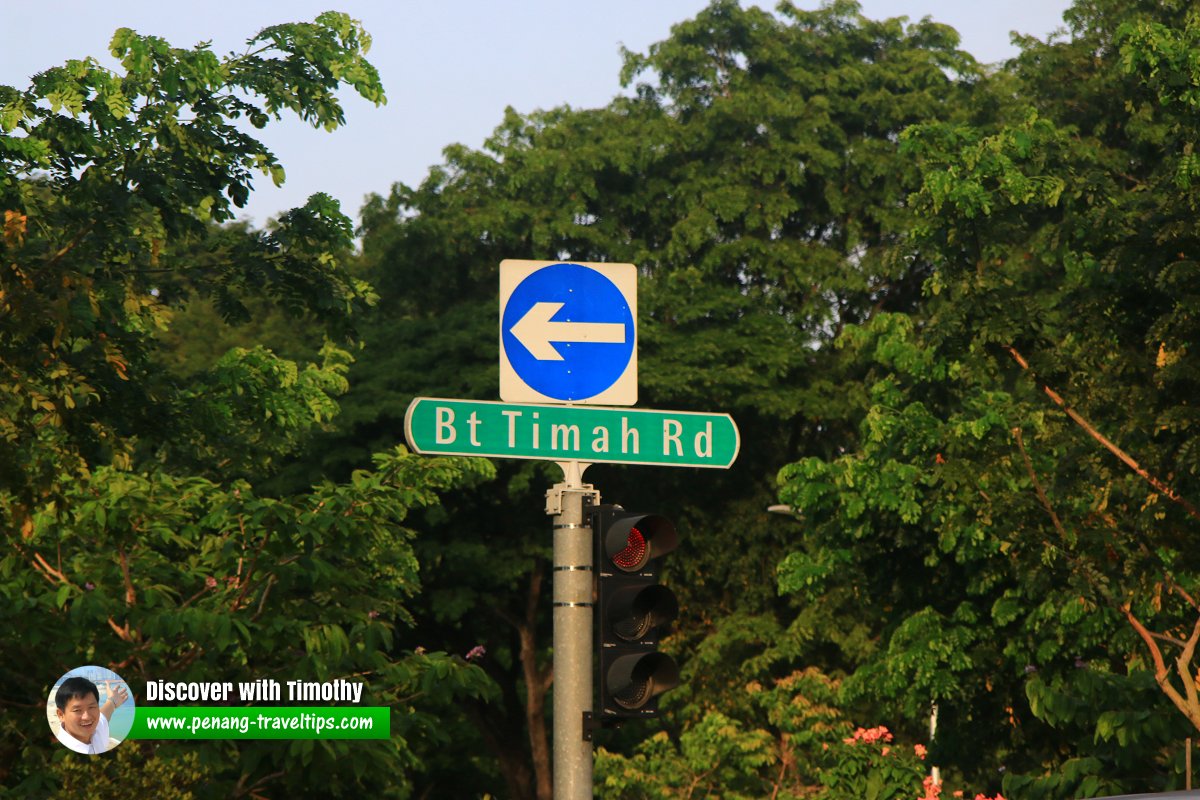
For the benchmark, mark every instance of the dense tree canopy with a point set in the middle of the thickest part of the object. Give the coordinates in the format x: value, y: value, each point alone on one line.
x: 135, y: 534
x: 761, y: 196
x: 1030, y: 452
x: 951, y: 308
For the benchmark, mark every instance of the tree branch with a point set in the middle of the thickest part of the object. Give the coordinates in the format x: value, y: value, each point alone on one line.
x: 1161, y: 674
x: 193, y: 598
x: 122, y: 632
x: 785, y: 762
x: 130, y: 594
x: 1190, y: 705
x: 188, y: 658
x: 262, y: 601
x: 1159, y: 486
x: 241, y: 789
x: 1168, y: 578
x: 1183, y: 666
x: 1058, y: 526
x: 69, y: 246
x: 1179, y: 590
x: 237, y: 603
x: 1162, y: 637
x: 47, y: 571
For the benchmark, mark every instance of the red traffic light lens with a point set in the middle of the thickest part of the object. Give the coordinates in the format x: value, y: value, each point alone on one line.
x: 633, y: 556
x: 628, y: 542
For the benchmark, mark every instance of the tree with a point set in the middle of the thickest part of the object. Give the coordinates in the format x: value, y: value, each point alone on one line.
x: 134, y: 532
x: 102, y: 172
x: 775, y: 750
x: 754, y: 177
x: 1030, y: 456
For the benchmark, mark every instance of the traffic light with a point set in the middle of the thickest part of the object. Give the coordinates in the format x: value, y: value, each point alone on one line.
x: 632, y: 611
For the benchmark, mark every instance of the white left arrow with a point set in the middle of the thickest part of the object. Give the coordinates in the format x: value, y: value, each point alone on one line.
x: 535, y: 331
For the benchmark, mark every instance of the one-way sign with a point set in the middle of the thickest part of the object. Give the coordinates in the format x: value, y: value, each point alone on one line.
x: 568, y: 332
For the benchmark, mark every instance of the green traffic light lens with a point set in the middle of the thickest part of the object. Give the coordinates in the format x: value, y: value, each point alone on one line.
x: 634, y: 680
x: 635, y: 695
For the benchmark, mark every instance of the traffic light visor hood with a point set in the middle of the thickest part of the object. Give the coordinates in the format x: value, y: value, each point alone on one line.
x: 637, y: 679
x: 630, y: 542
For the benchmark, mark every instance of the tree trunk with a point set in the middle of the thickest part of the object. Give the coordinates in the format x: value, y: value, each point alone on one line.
x: 512, y: 757
x: 527, y: 773
x: 537, y: 683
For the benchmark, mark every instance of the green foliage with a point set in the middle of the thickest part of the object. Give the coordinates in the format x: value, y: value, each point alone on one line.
x: 716, y: 753
x: 107, y: 184
x: 958, y: 308
x: 867, y: 765
x: 137, y: 531
x: 252, y: 407
x: 1026, y: 463
x: 756, y: 180
x: 190, y: 579
x: 773, y: 747
x: 129, y: 772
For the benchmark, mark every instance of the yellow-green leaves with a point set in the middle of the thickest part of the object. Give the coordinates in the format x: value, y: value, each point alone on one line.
x: 140, y: 535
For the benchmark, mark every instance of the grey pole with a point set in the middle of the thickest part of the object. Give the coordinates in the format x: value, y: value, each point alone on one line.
x: 934, y: 772
x: 573, y: 595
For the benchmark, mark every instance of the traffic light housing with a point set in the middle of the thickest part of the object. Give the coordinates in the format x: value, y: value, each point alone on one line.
x: 633, y: 611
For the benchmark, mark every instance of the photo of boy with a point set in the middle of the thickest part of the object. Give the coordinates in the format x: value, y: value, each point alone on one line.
x: 83, y: 721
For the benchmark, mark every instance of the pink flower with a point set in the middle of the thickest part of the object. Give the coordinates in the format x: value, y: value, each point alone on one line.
x: 210, y: 582
x: 920, y: 750
x: 877, y: 734
x: 870, y: 735
x: 885, y: 751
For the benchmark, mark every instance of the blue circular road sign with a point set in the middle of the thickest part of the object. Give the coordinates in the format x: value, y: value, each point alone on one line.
x: 568, y: 332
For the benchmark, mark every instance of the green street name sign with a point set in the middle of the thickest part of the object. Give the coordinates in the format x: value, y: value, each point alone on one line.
x: 438, y: 426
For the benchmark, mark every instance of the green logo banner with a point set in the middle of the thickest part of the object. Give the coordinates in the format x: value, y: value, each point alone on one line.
x: 262, y: 722
x: 571, y: 433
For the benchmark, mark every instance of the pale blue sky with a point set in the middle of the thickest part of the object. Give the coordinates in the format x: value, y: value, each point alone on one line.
x: 449, y: 66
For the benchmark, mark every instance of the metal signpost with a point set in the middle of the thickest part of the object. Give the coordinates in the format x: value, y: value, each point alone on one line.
x: 568, y: 349
x: 572, y: 618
